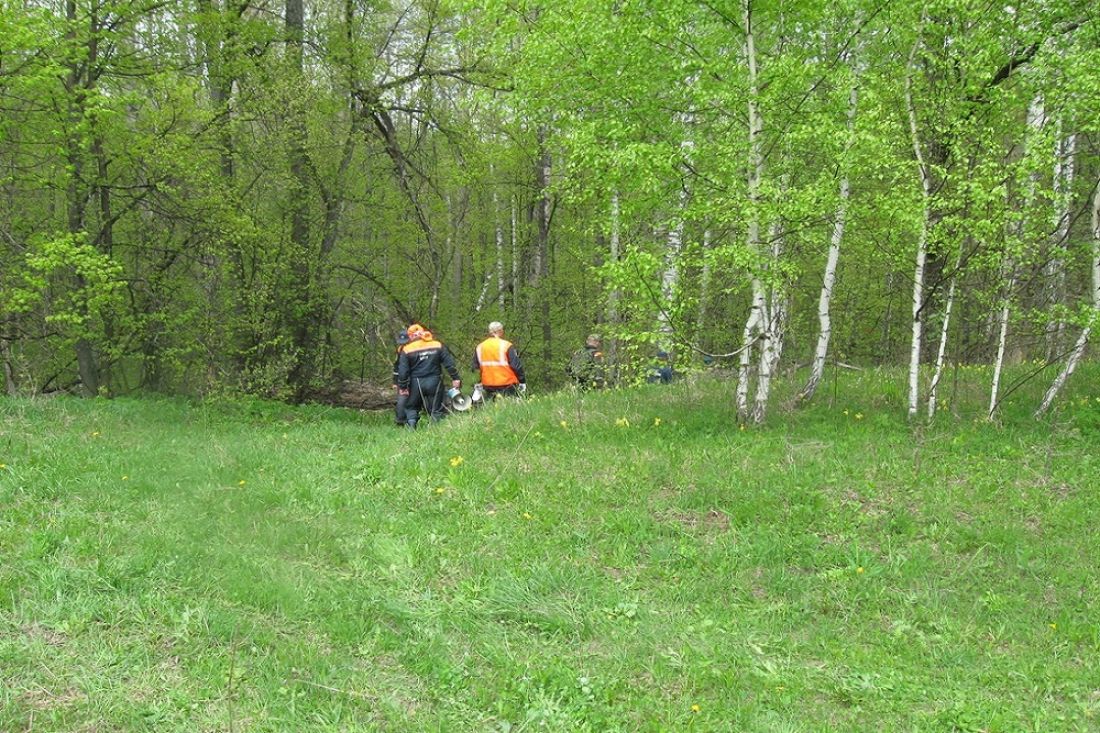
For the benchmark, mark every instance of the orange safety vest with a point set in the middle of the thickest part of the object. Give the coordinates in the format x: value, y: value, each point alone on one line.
x: 492, y: 357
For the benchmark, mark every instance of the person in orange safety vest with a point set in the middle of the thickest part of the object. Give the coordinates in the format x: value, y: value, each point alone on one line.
x: 497, y: 360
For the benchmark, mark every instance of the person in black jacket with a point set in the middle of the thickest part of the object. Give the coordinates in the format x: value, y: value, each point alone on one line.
x: 420, y: 367
x: 399, y: 409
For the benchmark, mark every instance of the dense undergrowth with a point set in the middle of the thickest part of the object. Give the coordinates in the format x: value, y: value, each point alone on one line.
x: 622, y: 561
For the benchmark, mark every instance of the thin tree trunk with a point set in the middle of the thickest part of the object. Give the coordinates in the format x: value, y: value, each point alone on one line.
x: 824, y: 301
x: 498, y: 230
x: 1086, y: 333
x: 615, y: 296
x: 922, y: 242
x: 757, y: 320
x: 1009, y: 272
x: 1036, y: 120
x: 515, y: 255
x: 944, y: 328
x: 704, y: 288
x: 1055, y: 269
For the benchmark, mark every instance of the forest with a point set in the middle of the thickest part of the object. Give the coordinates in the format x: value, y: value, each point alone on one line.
x: 253, y: 196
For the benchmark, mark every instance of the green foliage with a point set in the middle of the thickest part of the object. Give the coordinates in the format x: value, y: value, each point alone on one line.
x: 622, y: 560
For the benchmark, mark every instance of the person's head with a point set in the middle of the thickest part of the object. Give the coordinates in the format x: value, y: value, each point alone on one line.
x: 496, y: 328
x: 593, y: 340
x: 414, y: 331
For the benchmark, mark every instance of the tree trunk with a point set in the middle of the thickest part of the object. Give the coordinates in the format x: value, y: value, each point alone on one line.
x: 1086, y: 333
x: 944, y: 328
x: 757, y: 320
x: 824, y: 301
x: 922, y: 243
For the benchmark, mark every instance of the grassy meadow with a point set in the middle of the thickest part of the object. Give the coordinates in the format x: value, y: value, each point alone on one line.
x: 626, y: 561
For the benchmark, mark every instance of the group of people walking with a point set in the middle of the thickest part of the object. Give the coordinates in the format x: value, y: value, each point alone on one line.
x: 422, y: 361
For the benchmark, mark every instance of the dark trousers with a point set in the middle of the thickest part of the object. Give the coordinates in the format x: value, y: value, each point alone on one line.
x: 424, y: 394
x: 492, y: 392
x: 399, y: 410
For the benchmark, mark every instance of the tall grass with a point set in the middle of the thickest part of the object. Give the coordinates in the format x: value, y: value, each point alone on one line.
x: 605, y: 562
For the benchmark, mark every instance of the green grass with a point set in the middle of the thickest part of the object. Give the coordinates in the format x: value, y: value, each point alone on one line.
x: 829, y: 572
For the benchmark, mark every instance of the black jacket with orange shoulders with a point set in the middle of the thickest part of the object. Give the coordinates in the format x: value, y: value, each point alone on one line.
x: 424, y: 358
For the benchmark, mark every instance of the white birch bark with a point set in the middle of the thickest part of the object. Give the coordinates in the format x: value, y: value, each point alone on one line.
x: 824, y: 301
x: 671, y: 275
x: 515, y: 256
x: 1086, y: 333
x: 758, y: 316
x: 615, y: 296
x: 937, y: 374
x: 499, y: 231
x: 1036, y: 120
x: 1008, y: 271
x: 1055, y: 269
x: 745, y: 361
x: 922, y: 242
x: 704, y: 286
x: 775, y: 317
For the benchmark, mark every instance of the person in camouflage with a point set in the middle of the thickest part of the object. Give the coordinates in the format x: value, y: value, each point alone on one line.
x: 586, y: 367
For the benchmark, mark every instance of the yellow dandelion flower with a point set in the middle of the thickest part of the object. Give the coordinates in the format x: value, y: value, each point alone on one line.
x: 125, y: 478
x: 859, y: 570
x: 440, y: 490
x: 695, y: 708
x: 456, y: 461
x: 1053, y: 626
x: 95, y: 433
x: 845, y: 412
x: 564, y: 424
x: 742, y: 427
x: 240, y: 483
x: 859, y: 416
x: 656, y: 421
x: 526, y: 515
x: 536, y: 434
x: 622, y: 422
x: 3, y: 466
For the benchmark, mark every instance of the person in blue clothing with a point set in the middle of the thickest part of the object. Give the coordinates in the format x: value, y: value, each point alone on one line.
x: 661, y: 371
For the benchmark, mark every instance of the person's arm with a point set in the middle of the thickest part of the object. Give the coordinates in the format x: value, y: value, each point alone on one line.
x: 449, y: 364
x: 403, y: 372
x: 514, y: 362
x: 475, y: 363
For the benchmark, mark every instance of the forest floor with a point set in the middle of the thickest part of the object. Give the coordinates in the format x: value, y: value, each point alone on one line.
x: 628, y: 561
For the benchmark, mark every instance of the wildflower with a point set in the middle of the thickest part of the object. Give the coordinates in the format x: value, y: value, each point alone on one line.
x: 3, y: 466
x: 656, y: 421
x: 125, y: 478
x: 695, y: 708
x: 95, y: 433
x: 742, y: 426
x: 456, y: 461
x: 240, y: 483
x: 526, y: 515
x: 1054, y: 627
x: 845, y: 412
x: 536, y: 434
x: 622, y: 422
x: 859, y: 570
x: 440, y: 490
x: 859, y: 416
x: 564, y: 424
